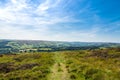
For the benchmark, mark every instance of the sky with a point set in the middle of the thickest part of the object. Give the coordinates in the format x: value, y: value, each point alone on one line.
x: 60, y: 20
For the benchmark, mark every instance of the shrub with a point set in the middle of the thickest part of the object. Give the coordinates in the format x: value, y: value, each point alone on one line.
x: 27, y: 66
x: 6, y: 67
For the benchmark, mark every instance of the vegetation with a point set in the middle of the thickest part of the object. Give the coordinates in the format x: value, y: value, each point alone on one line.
x: 100, y: 64
x: 22, y: 46
x: 25, y: 66
x: 95, y: 64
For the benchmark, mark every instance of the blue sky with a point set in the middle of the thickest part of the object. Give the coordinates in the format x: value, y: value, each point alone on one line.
x: 60, y: 20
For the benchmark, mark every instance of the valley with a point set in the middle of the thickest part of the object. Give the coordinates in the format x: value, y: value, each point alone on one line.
x: 30, y: 46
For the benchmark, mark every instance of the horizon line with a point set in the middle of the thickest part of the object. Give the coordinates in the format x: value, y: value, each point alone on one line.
x: 59, y: 40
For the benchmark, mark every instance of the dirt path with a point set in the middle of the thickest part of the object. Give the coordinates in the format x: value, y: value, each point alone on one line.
x: 59, y: 70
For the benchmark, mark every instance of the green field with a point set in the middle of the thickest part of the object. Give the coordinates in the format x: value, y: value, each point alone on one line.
x: 98, y: 64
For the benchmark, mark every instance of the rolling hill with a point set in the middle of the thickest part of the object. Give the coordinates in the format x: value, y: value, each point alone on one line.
x: 13, y: 46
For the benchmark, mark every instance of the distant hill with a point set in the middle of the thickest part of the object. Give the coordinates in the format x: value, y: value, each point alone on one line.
x: 12, y: 46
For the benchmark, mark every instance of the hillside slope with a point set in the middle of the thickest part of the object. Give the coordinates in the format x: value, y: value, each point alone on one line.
x: 12, y: 46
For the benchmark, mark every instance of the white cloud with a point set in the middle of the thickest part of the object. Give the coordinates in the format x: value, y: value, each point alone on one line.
x: 18, y: 14
x: 21, y: 20
x: 44, y: 33
x: 47, y: 4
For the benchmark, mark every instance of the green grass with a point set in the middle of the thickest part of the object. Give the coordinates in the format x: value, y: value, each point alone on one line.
x: 26, y: 66
x: 99, y: 64
x: 91, y: 66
